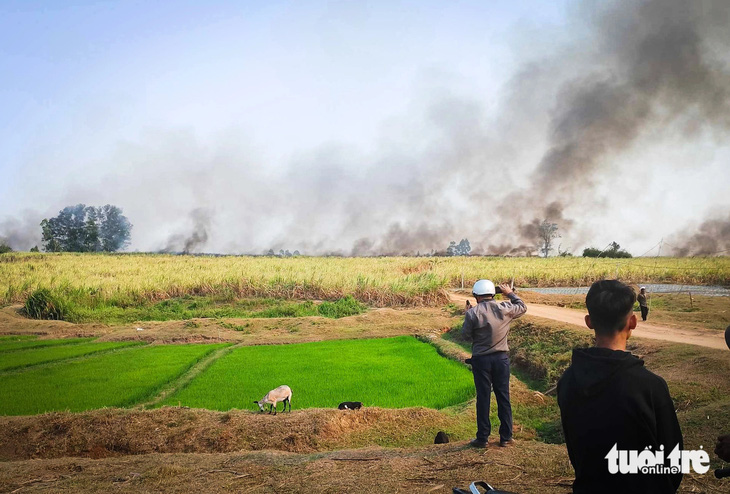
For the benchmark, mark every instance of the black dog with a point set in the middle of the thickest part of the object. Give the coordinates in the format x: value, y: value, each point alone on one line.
x: 441, y: 438
x: 350, y: 405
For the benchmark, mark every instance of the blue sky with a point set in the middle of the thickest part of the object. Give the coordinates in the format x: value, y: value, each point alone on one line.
x: 127, y: 102
x: 214, y: 64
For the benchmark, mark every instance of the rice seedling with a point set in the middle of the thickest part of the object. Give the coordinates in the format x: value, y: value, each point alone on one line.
x: 117, y: 379
x: 35, y: 356
x: 31, y: 342
x: 392, y: 372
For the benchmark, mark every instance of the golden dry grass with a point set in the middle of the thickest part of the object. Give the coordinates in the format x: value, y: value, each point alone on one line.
x: 135, y: 278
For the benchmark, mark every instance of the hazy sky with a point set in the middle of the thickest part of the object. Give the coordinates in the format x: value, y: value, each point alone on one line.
x: 320, y: 126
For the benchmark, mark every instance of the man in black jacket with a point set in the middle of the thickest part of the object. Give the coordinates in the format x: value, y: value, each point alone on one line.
x: 607, y: 397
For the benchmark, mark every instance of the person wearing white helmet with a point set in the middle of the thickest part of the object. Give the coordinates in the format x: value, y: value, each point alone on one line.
x: 641, y: 298
x: 487, y: 324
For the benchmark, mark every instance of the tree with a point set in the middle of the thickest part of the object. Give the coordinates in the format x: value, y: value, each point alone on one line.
x: 34, y: 249
x: 4, y: 248
x: 86, y: 229
x: 613, y: 250
x: 92, y: 243
x: 114, y: 229
x: 65, y: 232
x: 461, y: 249
x: 547, y: 232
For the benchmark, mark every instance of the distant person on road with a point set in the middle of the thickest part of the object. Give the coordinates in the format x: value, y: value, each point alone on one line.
x: 487, y: 324
x: 608, y: 398
x: 641, y: 298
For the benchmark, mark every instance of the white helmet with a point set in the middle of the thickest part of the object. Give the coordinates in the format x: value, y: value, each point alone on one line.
x: 483, y: 287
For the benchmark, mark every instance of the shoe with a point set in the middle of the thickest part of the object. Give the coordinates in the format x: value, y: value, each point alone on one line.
x: 476, y: 443
x: 507, y: 444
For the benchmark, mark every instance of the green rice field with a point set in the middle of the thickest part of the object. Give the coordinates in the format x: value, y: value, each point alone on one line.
x: 391, y: 372
x: 116, y: 379
x: 14, y: 343
x: 43, y: 354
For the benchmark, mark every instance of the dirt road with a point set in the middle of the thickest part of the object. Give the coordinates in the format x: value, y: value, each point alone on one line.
x: 698, y: 337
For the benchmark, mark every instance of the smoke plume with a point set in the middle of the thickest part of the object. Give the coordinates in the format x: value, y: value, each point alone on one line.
x: 712, y: 237
x: 556, y: 145
x: 21, y: 233
x: 195, y: 238
x: 656, y: 67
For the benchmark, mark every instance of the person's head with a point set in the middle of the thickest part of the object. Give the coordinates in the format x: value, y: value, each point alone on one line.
x: 483, y: 290
x: 643, y: 289
x: 610, y: 305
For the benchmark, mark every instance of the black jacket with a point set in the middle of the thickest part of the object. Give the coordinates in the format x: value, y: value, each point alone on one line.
x: 608, y: 397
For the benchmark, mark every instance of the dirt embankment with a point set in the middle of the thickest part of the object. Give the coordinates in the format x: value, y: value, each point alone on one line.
x: 117, y: 432
x: 529, y: 468
x: 375, y: 323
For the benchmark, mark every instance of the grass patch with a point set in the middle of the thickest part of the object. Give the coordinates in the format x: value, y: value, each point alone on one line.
x: 27, y: 343
x: 542, y: 351
x: 539, y: 353
x: 34, y: 356
x: 116, y: 379
x: 390, y: 372
x: 44, y: 304
x: 77, y: 307
x: 17, y: 337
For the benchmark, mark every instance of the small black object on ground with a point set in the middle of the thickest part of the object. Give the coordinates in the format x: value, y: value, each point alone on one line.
x: 441, y: 438
x: 479, y: 487
x: 350, y: 405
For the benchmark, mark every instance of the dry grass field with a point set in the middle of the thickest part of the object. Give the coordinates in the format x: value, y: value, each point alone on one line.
x: 148, y: 448
x: 384, y: 281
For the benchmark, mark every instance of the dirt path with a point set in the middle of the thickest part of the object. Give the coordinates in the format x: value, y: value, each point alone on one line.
x: 698, y: 337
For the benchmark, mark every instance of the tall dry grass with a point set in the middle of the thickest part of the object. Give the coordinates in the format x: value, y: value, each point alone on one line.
x: 129, y: 279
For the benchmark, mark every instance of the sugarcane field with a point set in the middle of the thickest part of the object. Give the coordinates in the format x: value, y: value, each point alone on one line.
x: 326, y: 247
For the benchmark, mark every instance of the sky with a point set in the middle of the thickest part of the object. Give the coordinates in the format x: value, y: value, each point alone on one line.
x: 353, y: 128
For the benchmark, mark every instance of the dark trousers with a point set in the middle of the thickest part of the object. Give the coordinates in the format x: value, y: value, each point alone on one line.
x: 644, y: 312
x: 492, y: 372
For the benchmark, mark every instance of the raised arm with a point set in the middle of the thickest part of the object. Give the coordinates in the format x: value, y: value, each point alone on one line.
x: 515, y: 307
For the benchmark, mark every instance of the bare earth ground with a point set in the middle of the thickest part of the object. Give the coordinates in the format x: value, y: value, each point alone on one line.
x: 701, y: 337
x: 185, y: 450
x: 376, y: 323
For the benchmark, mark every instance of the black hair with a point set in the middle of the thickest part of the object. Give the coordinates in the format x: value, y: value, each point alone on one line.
x: 610, y: 303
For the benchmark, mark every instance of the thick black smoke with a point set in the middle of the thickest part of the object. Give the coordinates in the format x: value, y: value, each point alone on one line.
x: 553, y: 146
x: 658, y: 63
x: 196, y: 237
x: 712, y: 237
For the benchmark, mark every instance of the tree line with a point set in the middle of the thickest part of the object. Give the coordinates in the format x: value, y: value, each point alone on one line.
x: 82, y: 228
